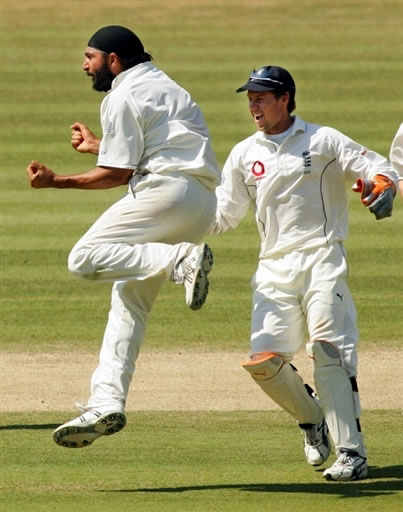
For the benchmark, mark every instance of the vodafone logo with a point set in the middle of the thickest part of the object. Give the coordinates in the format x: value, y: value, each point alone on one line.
x: 258, y: 169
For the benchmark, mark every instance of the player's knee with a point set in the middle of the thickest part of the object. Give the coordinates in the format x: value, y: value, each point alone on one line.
x: 264, y: 365
x: 78, y: 264
x: 75, y: 262
x: 323, y: 354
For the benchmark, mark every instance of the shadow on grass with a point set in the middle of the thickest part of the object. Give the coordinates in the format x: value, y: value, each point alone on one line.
x: 45, y: 426
x: 393, y: 476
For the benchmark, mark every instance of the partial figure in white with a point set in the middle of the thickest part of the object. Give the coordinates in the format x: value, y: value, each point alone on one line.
x: 396, y: 155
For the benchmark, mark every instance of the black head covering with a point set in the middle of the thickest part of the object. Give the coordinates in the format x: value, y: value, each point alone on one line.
x: 269, y: 78
x: 116, y: 39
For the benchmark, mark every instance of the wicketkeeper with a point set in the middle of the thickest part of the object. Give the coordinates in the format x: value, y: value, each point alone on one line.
x: 294, y: 175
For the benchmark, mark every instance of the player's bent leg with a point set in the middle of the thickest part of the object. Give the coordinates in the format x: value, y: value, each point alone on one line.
x: 281, y: 382
x: 336, y: 395
x: 283, y: 385
x: 184, y: 263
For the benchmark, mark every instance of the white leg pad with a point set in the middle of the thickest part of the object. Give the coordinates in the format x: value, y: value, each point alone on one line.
x: 284, y: 386
x: 336, y: 397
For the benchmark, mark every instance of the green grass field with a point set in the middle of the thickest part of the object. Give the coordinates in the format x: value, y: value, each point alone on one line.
x: 190, y: 462
x: 346, y: 57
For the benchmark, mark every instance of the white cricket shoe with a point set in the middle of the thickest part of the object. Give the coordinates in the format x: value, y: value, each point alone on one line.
x: 349, y: 466
x: 193, y: 271
x: 85, y: 429
x: 316, y: 443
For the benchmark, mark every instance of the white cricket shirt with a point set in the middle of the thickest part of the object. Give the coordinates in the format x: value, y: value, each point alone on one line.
x: 151, y: 123
x: 297, y: 188
x: 396, y: 152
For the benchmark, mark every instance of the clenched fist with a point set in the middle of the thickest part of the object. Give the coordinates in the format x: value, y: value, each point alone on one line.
x: 83, y: 140
x: 39, y: 175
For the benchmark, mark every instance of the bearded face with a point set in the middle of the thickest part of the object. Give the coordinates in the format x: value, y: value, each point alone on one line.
x: 102, y: 78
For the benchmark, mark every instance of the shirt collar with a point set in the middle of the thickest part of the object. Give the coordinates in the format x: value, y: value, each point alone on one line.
x: 299, y: 125
x: 135, y: 71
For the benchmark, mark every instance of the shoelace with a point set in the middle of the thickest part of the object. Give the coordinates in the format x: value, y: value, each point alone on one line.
x: 188, y: 269
x: 184, y: 271
x: 349, y: 458
x: 346, y: 458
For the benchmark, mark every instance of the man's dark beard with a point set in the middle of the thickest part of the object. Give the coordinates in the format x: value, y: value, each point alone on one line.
x: 103, y: 78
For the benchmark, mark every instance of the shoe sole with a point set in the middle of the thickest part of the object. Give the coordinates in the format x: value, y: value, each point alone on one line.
x: 199, y: 288
x: 72, y: 436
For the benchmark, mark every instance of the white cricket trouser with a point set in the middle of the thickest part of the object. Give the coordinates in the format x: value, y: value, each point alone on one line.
x: 304, y: 289
x: 136, y: 243
x: 308, y: 289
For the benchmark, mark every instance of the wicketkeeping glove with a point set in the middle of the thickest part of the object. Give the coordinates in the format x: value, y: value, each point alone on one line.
x: 377, y: 195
